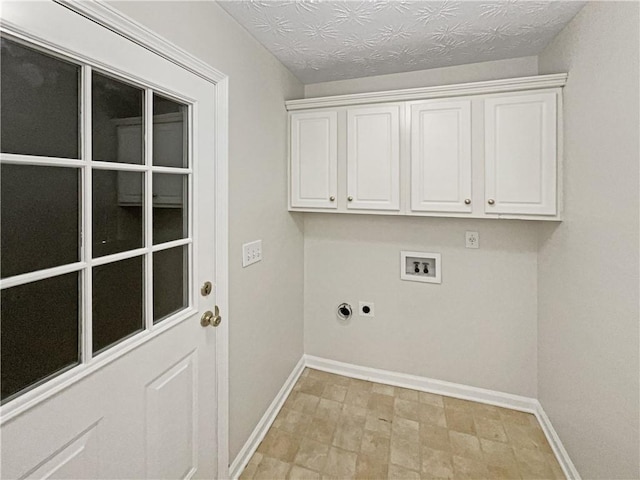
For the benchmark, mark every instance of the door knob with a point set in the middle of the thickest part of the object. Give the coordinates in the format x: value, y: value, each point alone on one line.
x: 211, y: 318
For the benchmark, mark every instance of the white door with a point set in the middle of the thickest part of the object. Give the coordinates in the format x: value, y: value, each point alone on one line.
x: 441, y: 156
x: 106, y: 369
x: 520, y: 153
x: 314, y: 159
x: 373, y: 158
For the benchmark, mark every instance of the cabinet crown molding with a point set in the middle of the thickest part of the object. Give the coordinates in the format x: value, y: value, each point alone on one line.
x: 422, y: 93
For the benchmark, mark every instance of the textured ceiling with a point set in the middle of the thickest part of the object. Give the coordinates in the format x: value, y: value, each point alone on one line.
x: 321, y: 41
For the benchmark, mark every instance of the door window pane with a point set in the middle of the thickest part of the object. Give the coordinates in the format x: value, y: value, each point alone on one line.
x: 117, y: 211
x: 169, y: 207
x: 40, y: 107
x: 117, y: 302
x: 116, y: 114
x: 39, y: 215
x: 169, y: 282
x: 39, y: 332
x: 169, y: 133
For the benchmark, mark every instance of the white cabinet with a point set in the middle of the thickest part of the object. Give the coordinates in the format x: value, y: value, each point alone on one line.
x: 314, y: 159
x: 373, y: 158
x: 441, y: 156
x: 520, y: 154
x: 484, y: 150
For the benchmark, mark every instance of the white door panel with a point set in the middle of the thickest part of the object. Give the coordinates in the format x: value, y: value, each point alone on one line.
x: 441, y: 156
x: 146, y: 407
x: 373, y: 158
x: 520, y: 154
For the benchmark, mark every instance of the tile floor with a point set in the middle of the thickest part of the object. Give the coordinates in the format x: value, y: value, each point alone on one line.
x: 336, y: 427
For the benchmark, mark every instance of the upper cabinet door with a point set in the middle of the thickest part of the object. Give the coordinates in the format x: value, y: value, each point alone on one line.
x: 520, y: 154
x: 441, y: 156
x: 314, y: 157
x: 373, y: 158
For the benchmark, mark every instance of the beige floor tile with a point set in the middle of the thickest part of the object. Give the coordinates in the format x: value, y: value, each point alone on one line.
x: 397, y: 472
x: 490, y: 429
x: 435, y: 437
x: 252, y: 467
x: 524, y: 436
x: 497, y: 453
x: 558, y: 474
x: 519, y: 418
x: 381, y: 404
x: 328, y: 409
x: 406, y: 394
x: 407, y: 429
x: 406, y: 409
x: 436, y: 463
x: 348, y: 434
x: 465, y: 445
x: 377, y: 423
x: 272, y: 468
x: 431, y: 398
x: 432, y: 414
x: 299, y: 473
x: 334, y: 392
x: 370, y: 468
x: 459, y: 404
x: 460, y: 420
x: 382, y: 389
x: 280, y: 445
x: 322, y: 430
x: 311, y: 385
x: 340, y: 463
x: 376, y: 445
x: 533, y: 464
x: 357, y: 396
x: 292, y: 421
x: 320, y: 375
x: 467, y: 468
x: 481, y: 410
x: 355, y: 413
x: 312, y: 454
x: 360, y: 384
x: 305, y: 403
x: 503, y: 472
x: 405, y: 453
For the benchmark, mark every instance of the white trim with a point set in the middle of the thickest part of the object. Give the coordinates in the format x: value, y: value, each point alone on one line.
x: 112, y: 19
x: 265, y: 422
x: 456, y: 390
x: 474, y: 88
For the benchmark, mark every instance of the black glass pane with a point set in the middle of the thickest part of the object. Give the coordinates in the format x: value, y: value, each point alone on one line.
x: 117, y: 211
x: 39, y: 217
x: 40, y: 107
x: 118, y: 129
x: 169, y: 282
x: 169, y: 135
x: 39, y: 330
x: 117, y: 302
x: 169, y: 207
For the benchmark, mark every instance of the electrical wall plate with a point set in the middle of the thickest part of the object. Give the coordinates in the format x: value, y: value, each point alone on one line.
x: 420, y: 267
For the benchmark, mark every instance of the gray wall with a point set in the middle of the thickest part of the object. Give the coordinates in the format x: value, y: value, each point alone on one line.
x: 477, y: 328
x: 588, y: 265
x: 265, y: 299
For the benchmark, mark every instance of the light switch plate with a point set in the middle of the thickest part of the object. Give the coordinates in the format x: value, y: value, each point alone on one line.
x: 472, y: 240
x: 251, y: 253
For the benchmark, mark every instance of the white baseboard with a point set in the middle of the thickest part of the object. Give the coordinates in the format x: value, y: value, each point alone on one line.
x: 414, y: 382
x: 251, y: 445
x: 449, y: 389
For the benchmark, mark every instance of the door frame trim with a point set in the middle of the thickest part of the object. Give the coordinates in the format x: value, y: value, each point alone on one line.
x: 112, y: 19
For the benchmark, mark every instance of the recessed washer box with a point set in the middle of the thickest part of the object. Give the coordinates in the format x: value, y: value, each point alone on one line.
x: 420, y: 267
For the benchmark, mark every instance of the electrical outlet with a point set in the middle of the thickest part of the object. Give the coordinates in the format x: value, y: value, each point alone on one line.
x: 472, y: 240
x: 365, y: 309
x: 251, y: 253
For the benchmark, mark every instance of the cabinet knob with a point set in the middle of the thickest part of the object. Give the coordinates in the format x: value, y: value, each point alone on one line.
x: 332, y: 198
x: 491, y: 201
x: 467, y: 201
x: 350, y: 198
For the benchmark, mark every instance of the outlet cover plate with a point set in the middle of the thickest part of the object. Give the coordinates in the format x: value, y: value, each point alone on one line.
x: 251, y: 253
x: 361, y: 312
x: 429, y: 266
x: 471, y: 240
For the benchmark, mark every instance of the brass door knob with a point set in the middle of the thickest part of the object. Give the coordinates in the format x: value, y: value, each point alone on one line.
x: 211, y: 318
x: 491, y: 201
x: 332, y: 198
x: 350, y: 198
x: 467, y: 201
